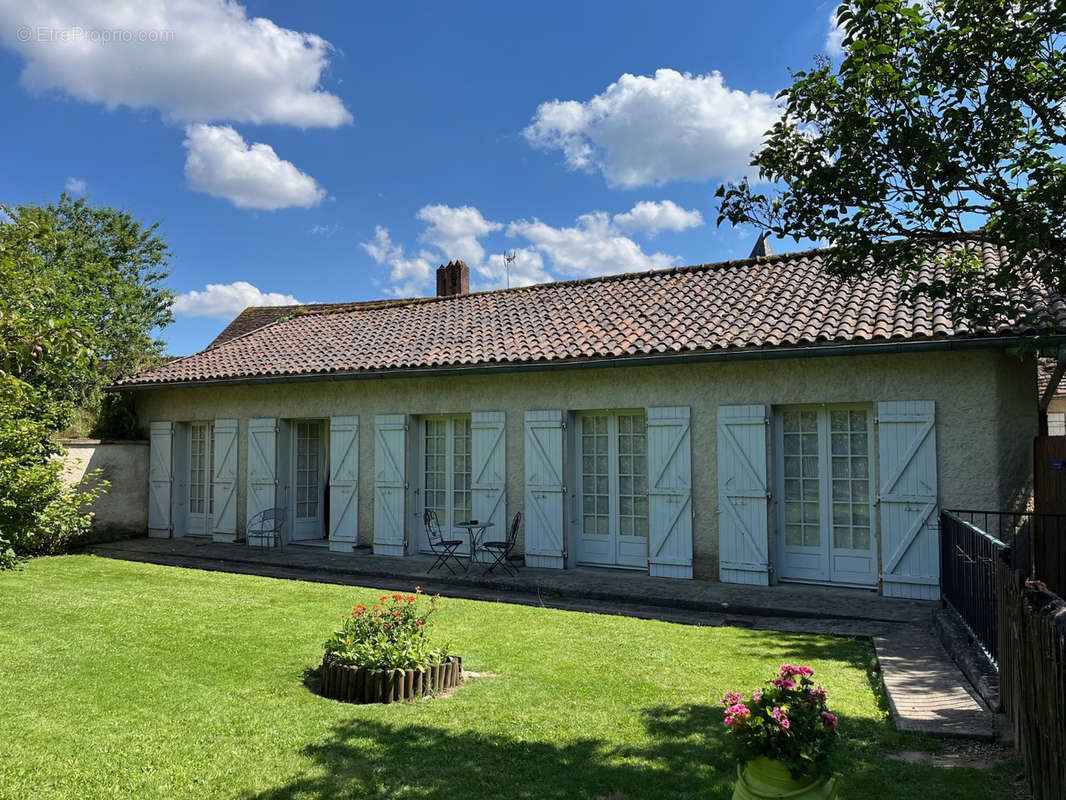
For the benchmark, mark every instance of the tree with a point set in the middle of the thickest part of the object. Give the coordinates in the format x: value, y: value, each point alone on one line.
x: 943, y: 124
x: 107, y: 270
x: 80, y: 295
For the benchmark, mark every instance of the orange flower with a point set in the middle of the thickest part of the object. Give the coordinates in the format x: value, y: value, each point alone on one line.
x: 410, y: 598
x: 384, y: 597
x: 396, y: 613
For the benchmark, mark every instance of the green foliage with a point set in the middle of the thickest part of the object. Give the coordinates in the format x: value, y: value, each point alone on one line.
x: 80, y: 296
x: 117, y: 418
x: 944, y: 121
x: 787, y: 722
x: 38, y: 514
x: 391, y: 634
x: 107, y: 270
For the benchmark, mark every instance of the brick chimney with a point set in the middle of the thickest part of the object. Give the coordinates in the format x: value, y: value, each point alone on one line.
x: 453, y: 278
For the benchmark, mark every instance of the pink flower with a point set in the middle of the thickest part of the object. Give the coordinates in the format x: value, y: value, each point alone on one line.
x: 818, y: 694
x: 736, y: 712
x: 781, y: 718
x: 784, y: 683
x: 756, y: 696
x: 830, y: 720
x: 805, y: 671
x: 732, y: 698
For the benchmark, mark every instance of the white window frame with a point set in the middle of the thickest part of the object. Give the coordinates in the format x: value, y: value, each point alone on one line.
x: 449, y: 518
x: 200, y: 523
x: 625, y: 551
x: 308, y: 529
x: 1056, y: 423
x: 825, y: 480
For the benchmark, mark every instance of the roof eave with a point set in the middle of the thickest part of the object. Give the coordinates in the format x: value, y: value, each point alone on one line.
x: 657, y: 359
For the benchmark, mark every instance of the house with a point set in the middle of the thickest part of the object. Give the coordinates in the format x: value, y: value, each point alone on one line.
x: 752, y: 421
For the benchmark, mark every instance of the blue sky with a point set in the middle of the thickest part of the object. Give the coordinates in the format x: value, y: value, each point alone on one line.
x: 341, y: 151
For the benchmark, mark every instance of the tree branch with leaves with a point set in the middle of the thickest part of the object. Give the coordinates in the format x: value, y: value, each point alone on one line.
x: 943, y: 126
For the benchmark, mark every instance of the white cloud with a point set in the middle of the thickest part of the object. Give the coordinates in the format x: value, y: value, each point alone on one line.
x: 594, y: 246
x: 455, y: 231
x: 226, y: 300
x: 326, y: 230
x: 408, y: 277
x: 643, y: 131
x: 834, y: 37
x: 76, y: 186
x: 221, y: 164
x: 526, y: 269
x: 652, y: 217
x: 194, y: 60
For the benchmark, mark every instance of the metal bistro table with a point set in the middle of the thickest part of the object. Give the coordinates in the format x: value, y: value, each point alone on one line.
x: 476, y: 531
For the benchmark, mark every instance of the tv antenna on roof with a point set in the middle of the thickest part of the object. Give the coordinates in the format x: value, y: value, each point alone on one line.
x: 508, y: 260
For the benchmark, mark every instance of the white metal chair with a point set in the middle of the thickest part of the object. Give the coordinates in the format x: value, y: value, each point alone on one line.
x: 264, y: 529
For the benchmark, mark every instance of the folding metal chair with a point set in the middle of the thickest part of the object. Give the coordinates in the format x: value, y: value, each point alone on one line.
x: 443, y: 549
x: 501, y: 551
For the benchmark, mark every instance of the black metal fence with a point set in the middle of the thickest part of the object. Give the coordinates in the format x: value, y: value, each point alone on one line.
x: 970, y: 542
x: 968, y: 575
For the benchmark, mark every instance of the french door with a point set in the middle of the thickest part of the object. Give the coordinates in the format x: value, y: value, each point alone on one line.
x: 613, y: 464
x: 308, y: 471
x: 199, y: 519
x: 824, y: 482
x: 446, y: 479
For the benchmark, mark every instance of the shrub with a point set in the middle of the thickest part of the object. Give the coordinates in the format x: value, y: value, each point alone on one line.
x: 788, y: 722
x: 392, y: 634
x: 39, y: 515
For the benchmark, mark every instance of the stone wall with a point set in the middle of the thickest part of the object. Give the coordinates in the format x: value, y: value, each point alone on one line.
x: 123, y: 510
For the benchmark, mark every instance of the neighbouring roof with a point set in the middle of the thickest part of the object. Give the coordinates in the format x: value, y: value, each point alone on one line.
x: 782, y: 301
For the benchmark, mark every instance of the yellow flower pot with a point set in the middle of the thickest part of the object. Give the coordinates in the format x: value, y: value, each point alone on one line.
x: 765, y: 778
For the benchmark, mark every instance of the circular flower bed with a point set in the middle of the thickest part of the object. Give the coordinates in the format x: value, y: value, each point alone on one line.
x: 383, y: 654
x: 365, y: 685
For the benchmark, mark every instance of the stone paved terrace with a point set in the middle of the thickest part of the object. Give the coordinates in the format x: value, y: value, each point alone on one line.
x: 588, y: 584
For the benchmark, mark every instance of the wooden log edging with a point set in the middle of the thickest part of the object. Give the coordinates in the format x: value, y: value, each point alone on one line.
x: 1032, y: 675
x: 352, y: 684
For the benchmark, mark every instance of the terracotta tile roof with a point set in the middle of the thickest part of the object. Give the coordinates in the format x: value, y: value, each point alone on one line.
x: 256, y: 317
x: 781, y: 301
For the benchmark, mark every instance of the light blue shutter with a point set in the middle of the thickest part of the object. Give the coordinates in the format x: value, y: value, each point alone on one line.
x: 910, y: 554
x: 262, y: 466
x: 343, y: 483
x: 488, y: 459
x: 669, y: 492
x: 543, y: 520
x: 224, y: 481
x: 160, y: 479
x: 743, y: 498
x: 390, y: 484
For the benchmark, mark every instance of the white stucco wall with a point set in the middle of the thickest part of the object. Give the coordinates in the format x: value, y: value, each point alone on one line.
x: 124, y: 507
x: 985, y: 404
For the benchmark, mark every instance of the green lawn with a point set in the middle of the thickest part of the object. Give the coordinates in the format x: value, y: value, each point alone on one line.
x: 132, y: 680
